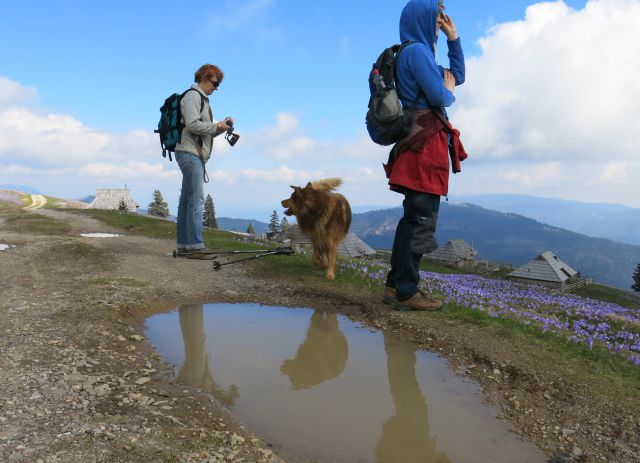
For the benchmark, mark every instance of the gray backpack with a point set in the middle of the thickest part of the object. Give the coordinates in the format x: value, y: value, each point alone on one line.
x: 387, y: 122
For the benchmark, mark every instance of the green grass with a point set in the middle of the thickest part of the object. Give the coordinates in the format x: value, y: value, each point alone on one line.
x: 300, y: 268
x: 440, y: 268
x: 598, y: 365
x: 605, y: 293
x: 27, y: 222
x: 157, y: 228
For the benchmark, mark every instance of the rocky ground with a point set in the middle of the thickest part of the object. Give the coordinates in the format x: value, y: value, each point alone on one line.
x: 79, y: 382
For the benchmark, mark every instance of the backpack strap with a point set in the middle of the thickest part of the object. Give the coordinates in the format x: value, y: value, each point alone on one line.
x: 201, y: 97
x: 396, y: 51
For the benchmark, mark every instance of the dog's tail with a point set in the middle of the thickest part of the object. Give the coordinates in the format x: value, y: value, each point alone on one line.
x: 326, y: 184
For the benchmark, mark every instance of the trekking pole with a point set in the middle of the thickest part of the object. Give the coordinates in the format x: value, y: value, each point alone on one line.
x: 213, y: 254
x: 217, y: 266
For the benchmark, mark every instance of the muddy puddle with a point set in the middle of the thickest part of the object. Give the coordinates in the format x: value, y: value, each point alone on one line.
x: 320, y: 387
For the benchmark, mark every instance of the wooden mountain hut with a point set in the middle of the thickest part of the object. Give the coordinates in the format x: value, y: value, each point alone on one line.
x: 351, y: 245
x: 455, y: 253
x: 111, y: 198
x: 547, y: 269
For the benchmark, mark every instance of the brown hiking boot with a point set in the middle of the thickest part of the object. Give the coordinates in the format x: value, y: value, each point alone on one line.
x: 389, y: 295
x: 418, y: 302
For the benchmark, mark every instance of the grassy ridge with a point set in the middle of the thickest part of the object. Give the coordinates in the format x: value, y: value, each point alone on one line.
x: 159, y: 228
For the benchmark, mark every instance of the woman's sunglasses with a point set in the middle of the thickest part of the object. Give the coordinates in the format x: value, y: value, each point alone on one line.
x: 215, y: 83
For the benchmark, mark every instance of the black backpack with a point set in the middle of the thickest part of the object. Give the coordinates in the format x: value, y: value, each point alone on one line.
x: 171, y: 124
x: 386, y: 120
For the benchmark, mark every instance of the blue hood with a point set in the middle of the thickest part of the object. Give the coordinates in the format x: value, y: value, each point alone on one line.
x: 418, y: 22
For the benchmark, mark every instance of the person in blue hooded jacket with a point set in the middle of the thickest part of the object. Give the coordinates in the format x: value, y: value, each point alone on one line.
x: 420, y: 167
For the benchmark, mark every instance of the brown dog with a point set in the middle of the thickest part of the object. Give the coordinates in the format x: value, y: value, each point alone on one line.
x: 322, y: 215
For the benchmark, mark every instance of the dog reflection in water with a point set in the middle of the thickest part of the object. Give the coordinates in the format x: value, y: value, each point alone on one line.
x: 321, y: 357
x: 322, y: 215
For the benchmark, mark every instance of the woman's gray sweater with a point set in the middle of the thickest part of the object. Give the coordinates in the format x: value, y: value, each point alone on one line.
x: 199, y: 126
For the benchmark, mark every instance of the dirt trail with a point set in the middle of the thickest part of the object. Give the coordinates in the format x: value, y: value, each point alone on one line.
x: 37, y: 202
x: 79, y: 382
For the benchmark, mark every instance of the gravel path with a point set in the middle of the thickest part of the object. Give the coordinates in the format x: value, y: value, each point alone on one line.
x: 79, y: 383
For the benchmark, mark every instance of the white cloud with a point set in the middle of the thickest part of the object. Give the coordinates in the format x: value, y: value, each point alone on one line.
x: 130, y: 170
x: 283, y: 140
x: 35, y: 137
x: 12, y: 92
x: 282, y: 174
x: 251, y: 17
x: 49, y: 138
x: 15, y: 169
x: 560, y: 84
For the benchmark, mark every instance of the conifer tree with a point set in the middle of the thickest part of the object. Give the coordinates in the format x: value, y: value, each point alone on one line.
x: 283, y: 223
x: 636, y: 279
x: 158, y: 207
x: 273, y: 222
x: 251, y: 230
x: 209, y: 215
x: 122, y: 206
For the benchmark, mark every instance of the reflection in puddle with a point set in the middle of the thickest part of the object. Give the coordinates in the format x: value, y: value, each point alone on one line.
x: 320, y: 386
x: 322, y: 355
x: 100, y: 235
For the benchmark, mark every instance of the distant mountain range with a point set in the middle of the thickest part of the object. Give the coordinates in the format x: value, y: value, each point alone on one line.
x: 613, y: 221
x: 512, y: 238
x: 241, y: 225
x: 23, y: 188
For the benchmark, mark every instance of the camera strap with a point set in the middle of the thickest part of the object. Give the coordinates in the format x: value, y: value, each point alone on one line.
x: 205, y: 175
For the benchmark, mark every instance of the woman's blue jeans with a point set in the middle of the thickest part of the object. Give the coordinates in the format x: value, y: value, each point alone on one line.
x: 191, y: 204
x: 415, y: 236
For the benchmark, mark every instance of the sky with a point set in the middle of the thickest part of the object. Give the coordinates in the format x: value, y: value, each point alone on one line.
x: 549, y: 107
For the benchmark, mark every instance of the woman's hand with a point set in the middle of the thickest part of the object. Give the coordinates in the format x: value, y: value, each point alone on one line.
x: 449, y: 81
x: 448, y: 27
x: 226, y: 124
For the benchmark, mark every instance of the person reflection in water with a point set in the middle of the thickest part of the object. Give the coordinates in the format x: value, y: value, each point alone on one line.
x: 196, y: 369
x: 322, y: 355
x: 405, y: 436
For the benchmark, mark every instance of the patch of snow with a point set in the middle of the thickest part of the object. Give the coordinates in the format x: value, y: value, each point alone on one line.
x: 99, y: 235
x: 3, y: 247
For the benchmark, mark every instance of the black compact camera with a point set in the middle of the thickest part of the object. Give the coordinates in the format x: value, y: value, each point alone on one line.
x: 231, y: 137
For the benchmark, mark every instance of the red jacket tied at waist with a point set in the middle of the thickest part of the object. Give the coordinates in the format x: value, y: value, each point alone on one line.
x: 420, y: 161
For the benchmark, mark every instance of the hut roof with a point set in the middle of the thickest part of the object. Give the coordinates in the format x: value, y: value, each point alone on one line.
x: 453, y: 251
x: 110, y: 199
x: 546, y: 267
x: 351, y: 245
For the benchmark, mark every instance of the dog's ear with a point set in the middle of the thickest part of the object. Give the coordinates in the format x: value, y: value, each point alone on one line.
x: 295, y: 187
x: 308, y: 185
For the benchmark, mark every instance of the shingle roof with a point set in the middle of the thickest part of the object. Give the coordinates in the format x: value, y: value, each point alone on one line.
x: 453, y: 251
x: 351, y: 245
x: 110, y: 199
x: 546, y: 267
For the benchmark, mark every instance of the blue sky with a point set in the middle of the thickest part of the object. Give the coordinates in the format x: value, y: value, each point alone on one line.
x: 81, y: 84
